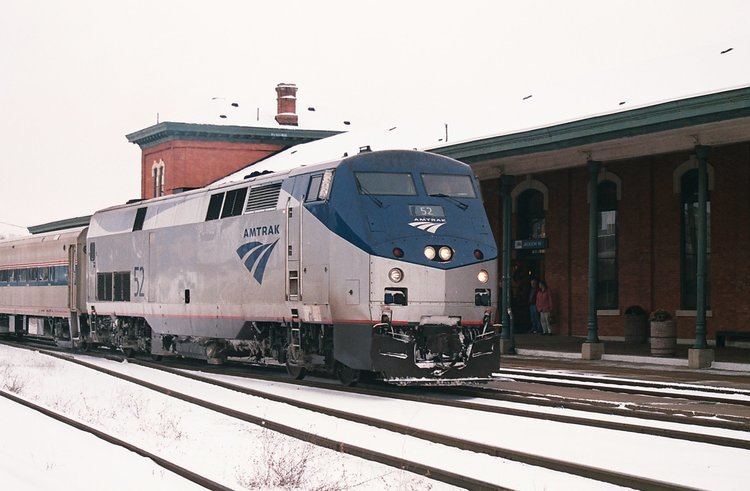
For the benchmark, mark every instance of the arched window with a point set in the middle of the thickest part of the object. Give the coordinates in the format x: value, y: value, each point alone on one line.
x: 156, y: 181
x: 607, y: 287
x: 531, y: 224
x: 531, y: 220
x: 689, y: 241
x: 158, y: 178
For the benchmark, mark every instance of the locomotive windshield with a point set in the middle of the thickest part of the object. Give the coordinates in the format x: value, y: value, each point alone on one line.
x: 451, y: 185
x: 385, y: 183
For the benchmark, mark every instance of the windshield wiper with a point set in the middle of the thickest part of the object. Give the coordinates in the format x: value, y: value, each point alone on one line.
x: 369, y: 195
x: 458, y: 203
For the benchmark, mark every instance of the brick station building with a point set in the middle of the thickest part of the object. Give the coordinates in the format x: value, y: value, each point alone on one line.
x: 177, y: 156
x: 643, y: 168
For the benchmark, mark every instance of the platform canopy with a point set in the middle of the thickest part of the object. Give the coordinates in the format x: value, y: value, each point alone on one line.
x: 713, y: 119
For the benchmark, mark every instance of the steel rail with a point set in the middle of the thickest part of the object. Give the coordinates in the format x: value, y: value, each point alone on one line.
x: 599, y: 407
x: 696, y: 418
x: 585, y: 471
x: 650, y: 384
x: 365, y: 453
x: 627, y: 390
x: 166, y: 464
x: 558, y: 418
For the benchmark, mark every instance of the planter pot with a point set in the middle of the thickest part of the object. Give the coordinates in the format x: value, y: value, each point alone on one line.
x: 663, y: 338
x: 635, y: 328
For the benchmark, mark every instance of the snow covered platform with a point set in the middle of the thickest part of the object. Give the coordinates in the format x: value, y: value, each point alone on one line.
x: 621, y: 354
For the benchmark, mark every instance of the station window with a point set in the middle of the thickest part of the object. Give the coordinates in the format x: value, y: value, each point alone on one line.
x: 607, y: 287
x: 689, y: 242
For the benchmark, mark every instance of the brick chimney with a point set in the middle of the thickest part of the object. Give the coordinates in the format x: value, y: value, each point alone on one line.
x: 286, y: 103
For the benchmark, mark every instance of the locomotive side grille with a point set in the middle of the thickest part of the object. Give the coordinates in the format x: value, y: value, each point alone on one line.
x: 263, y: 197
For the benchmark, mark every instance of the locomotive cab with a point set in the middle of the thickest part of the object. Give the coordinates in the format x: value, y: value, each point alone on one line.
x: 425, y: 251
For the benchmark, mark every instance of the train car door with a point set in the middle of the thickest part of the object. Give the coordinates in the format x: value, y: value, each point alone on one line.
x: 293, y: 222
x: 73, y: 289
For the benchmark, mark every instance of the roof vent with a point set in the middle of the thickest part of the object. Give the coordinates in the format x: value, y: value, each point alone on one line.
x: 263, y: 197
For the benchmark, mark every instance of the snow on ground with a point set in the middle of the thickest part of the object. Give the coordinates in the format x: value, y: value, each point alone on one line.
x: 330, y: 398
x: 501, y: 472
x: 30, y: 461
x: 237, y: 454
x: 645, y: 455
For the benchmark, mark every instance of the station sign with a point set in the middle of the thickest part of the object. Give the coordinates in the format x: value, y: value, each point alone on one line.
x: 531, y: 244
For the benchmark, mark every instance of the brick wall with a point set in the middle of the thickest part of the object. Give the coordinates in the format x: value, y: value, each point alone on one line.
x: 648, y: 240
x: 193, y: 164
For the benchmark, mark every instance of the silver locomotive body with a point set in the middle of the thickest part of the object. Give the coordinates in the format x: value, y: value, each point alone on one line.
x: 382, y: 262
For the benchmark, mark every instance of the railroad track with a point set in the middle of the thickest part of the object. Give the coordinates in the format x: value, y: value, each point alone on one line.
x: 166, y: 464
x: 589, y: 472
x: 691, y: 392
x: 654, y: 384
x: 437, y: 396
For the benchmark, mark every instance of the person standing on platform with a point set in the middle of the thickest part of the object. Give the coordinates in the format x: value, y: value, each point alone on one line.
x: 544, y: 306
x: 536, y: 326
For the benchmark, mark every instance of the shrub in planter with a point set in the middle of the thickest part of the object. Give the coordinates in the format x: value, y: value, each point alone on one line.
x: 663, y: 333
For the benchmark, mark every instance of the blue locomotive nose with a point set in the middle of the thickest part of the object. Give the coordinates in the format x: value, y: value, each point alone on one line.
x: 405, y: 205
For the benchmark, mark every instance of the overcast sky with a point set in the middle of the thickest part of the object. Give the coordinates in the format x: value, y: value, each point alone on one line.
x: 75, y: 76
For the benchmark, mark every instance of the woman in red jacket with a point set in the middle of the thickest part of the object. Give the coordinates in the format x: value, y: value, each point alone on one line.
x: 544, y: 306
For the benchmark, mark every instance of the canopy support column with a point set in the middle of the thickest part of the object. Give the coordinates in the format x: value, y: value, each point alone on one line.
x: 593, y: 348
x: 700, y: 356
x: 507, y: 337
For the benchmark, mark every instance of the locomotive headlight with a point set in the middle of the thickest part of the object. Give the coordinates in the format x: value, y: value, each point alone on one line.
x: 430, y: 252
x: 445, y: 253
x: 395, y: 275
x: 483, y: 276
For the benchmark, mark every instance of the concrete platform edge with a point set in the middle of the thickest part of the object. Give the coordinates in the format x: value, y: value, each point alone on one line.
x: 677, y: 362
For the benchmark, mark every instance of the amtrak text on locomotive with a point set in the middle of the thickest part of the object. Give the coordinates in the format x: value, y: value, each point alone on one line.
x: 258, y: 231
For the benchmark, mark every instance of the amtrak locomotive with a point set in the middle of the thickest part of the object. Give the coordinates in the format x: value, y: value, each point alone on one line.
x: 381, y: 263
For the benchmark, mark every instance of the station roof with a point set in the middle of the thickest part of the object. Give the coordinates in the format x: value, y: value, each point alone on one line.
x: 68, y: 223
x: 169, y: 131
x: 716, y: 118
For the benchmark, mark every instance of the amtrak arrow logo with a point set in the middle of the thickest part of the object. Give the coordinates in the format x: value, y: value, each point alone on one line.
x: 430, y: 227
x: 257, y: 256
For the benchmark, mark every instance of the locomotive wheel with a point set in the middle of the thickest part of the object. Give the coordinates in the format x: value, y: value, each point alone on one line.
x: 156, y: 357
x: 295, y: 371
x: 347, y: 376
x: 129, y: 352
